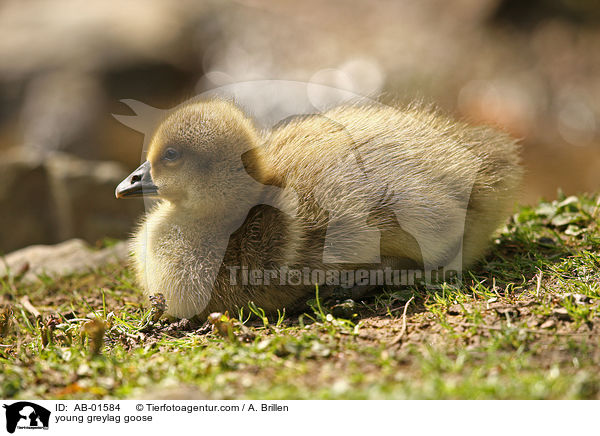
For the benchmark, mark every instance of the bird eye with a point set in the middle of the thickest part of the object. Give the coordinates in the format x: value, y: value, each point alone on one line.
x: 171, y: 154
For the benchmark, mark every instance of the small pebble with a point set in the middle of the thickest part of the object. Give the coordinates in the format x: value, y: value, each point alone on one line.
x: 546, y: 241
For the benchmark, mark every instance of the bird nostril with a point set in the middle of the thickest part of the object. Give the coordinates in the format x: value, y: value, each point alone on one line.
x: 136, y: 178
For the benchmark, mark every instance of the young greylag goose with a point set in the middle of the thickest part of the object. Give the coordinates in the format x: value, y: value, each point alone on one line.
x: 246, y: 215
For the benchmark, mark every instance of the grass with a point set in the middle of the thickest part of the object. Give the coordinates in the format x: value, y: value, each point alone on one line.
x: 523, y: 324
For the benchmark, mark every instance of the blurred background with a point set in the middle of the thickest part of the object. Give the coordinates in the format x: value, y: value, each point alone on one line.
x: 529, y: 67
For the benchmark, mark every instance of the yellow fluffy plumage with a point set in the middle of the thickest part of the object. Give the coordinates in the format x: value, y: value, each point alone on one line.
x: 431, y: 190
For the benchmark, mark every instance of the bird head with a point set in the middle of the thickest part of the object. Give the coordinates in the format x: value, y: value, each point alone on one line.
x: 200, y: 157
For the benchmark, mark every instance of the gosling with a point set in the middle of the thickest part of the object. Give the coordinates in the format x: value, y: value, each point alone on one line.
x: 355, y: 186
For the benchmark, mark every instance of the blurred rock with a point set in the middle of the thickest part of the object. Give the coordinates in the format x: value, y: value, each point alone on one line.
x: 60, y: 197
x: 26, y: 215
x: 61, y: 111
x: 67, y: 64
x: 85, y: 202
x: 69, y: 257
x: 96, y: 35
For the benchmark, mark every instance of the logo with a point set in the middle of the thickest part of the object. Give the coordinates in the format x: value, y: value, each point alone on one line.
x: 26, y: 415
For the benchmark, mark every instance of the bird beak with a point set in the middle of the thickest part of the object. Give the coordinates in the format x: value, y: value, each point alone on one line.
x: 137, y: 184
